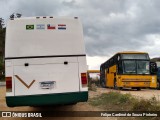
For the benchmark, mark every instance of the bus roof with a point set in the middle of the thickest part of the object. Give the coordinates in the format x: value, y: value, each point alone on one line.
x: 43, y: 17
x: 131, y: 52
x: 93, y: 71
x: 125, y: 52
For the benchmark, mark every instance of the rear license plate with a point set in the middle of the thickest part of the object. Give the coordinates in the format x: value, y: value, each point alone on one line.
x: 47, y: 84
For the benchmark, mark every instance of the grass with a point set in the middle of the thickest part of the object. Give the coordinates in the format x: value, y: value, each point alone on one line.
x: 2, y: 80
x: 1, y: 69
x: 93, y: 84
x: 146, y: 105
x: 92, y: 87
x: 115, y: 101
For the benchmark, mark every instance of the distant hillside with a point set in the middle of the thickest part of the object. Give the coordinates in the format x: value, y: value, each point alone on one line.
x: 157, y: 59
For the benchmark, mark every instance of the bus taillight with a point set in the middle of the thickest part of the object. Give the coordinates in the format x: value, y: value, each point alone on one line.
x: 84, y: 79
x: 9, y: 84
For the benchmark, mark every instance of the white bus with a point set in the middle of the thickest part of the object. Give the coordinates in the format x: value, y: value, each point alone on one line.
x: 45, y: 61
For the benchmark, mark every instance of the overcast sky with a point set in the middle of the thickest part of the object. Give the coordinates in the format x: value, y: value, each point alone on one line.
x: 109, y: 25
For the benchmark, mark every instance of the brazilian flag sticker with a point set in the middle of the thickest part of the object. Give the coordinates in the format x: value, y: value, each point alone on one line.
x: 29, y: 27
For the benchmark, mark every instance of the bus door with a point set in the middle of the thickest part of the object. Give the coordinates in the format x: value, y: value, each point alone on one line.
x: 109, y: 77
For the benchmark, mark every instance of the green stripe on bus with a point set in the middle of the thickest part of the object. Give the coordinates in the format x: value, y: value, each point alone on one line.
x: 46, y: 99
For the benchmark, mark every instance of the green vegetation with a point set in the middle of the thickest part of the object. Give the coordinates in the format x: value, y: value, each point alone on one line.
x: 92, y: 87
x: 146, y: 105
x: 2, y: 42
x: 115, y: 101
x: 1, y: 70
x: 93, y: 83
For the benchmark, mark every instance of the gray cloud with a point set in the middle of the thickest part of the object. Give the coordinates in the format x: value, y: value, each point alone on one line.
x: 109, y: 25
x: 125, y: 30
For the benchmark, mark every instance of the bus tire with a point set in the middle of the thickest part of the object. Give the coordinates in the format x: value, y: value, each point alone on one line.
x: 158, y: 85
x: 103, y: 85
x: 120, y: 88
x: 115, y: 84
x: 138, y: 89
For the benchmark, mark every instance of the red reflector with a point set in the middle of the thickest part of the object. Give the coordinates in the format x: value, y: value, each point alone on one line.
x: 8, y: 82
x: 84, y: 78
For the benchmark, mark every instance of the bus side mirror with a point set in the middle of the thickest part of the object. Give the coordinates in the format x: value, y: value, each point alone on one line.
x: 153, y: 68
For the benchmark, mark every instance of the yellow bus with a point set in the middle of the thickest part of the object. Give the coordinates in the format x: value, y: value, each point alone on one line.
x: 129, y: 70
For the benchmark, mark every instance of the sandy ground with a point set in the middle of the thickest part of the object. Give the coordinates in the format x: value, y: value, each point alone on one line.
x: 83, y: 106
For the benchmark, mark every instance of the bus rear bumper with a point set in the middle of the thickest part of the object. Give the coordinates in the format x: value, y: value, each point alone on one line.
x: 47, y: 99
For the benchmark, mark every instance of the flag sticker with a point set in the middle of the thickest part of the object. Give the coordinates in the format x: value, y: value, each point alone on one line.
x: 51, y: 26
x: 62, y: 26
x: 29, y: 27
x: 40, y: 26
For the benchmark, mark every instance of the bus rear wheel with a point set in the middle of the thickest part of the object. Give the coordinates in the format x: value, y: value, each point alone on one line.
x: 115, y: 85
x: 158, y: 85
x: 138, y: 89
x: 103, y: 85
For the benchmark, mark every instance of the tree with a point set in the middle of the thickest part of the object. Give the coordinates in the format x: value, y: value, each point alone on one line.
x: 2, y: 42
x: 2, y: 36
x: 15, y: 15
x: 1, y: 23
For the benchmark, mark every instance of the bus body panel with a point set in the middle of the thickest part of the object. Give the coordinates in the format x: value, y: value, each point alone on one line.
x: 23, y: 42
x: 111, y: 76
x: 62, y: 75
x: 136, y: 81
x: 44, y: 64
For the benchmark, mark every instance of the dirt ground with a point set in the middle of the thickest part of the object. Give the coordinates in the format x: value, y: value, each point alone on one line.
x: 144, y: 93
x: 83, y: 106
